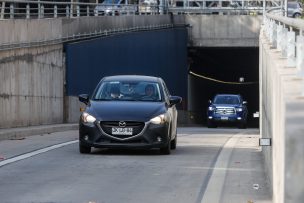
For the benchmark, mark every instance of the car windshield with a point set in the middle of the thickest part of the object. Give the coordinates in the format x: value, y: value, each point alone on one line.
x: 128, y: 91
x: 226, y: 100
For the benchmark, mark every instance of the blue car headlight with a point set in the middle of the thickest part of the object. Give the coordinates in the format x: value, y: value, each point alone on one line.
x: 211, y: 108
x: 158, y: 119
x: 87, y: 118
x: 238, y: 109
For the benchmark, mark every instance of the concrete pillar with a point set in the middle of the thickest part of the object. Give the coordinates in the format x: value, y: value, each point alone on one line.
x: 291, y: 48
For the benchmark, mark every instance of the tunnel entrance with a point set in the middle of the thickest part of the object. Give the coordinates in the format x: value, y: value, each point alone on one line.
x: 222, y: 70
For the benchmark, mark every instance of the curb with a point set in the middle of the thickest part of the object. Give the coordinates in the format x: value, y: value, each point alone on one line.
x: 17, y: 133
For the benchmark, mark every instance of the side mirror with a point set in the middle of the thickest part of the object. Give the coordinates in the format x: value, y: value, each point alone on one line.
x: 209, y: 101
x: 84, y: 98
x: 244, y: 102
x: 175, y: 100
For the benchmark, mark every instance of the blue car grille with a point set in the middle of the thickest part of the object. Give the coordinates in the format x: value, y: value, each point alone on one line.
x: 225, y: 110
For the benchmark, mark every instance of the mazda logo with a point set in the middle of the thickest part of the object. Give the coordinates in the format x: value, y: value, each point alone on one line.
x: 122, y: 124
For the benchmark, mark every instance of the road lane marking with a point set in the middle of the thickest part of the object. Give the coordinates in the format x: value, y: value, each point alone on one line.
x: 208, y: 176
x: 213, y: 192
x: 223, y: 169
x: 34, y: 153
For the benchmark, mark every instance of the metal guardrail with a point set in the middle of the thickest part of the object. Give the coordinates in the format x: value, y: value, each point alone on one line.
x: 15, y: 9
x: 220, y: 11
x: 286, y: 35
x: 12, y: 9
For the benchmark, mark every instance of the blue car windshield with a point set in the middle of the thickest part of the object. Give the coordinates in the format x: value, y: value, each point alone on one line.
x: 226, y: 100
x: 128, y: 91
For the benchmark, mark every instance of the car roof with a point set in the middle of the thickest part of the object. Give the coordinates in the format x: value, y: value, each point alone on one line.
x: 131, y: 77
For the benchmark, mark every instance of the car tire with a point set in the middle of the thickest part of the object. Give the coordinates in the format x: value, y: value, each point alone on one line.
x: 174, y: 142
x: 242, y: 125
x: 210, y: 124
x: 297, y: 15
x: 167, y: 148
x: 84, y: 149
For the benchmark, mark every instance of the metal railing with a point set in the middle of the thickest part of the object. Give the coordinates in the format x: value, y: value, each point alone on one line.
x: 286, y: 35
x: 216, y: 11
x: 83, y: 36
x: 15, y: 9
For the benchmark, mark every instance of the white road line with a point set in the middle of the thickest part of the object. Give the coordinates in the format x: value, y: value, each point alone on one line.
x: 216, y: 182
x: 34, y: 153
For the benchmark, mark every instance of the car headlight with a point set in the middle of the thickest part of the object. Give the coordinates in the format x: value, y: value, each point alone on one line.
x: 87, y: 118
x: 210, y: 108
x: 239, y: 109
x: 159, y: 119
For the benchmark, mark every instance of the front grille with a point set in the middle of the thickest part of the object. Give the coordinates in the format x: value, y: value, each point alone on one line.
x: 225, y: 110
x: 107, y: 126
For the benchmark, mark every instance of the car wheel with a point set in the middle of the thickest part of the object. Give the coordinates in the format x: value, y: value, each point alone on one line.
x: 84, y: 149
x: 166, y: 149
x: 210, y: 124
x: 242, y: 125
x: 174, y: 142
x: 297, y: 15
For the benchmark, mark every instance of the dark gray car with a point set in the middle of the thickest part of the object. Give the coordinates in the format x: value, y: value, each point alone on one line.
x: 129, y: 112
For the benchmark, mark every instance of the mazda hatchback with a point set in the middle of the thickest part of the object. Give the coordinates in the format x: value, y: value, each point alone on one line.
x: 129, y: 112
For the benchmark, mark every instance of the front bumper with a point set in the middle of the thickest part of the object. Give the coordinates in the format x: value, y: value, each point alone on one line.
x: 223, y: 118
x: 152, y: 136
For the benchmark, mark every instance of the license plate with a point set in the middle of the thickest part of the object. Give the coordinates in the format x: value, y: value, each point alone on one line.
x: 224, y: 118
x: 122, y: 131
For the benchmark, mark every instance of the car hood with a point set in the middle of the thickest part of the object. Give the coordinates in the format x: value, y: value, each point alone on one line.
x: 125, y: 110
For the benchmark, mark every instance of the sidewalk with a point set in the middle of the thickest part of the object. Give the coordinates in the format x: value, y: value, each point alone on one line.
x: 17, y: 133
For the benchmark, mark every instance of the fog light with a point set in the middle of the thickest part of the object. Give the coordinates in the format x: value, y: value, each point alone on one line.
x: 159, y: 139
x: 210, y: 117
x: 86, y: 137
x: 239, y: 118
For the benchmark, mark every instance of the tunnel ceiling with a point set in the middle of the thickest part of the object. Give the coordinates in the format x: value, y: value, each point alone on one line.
x: 228, y: 64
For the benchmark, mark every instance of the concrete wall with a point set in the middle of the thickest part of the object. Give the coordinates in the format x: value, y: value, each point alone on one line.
x: 72, y: 26
x: 281, y: 119
x: 16, y: 31
x: 31, y: 90
x: 224, y: 31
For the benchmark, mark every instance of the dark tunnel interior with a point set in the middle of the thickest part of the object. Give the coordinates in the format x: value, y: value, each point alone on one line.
x: 224, y: 65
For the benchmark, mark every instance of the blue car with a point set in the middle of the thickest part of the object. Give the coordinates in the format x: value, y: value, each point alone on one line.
x: 227, y: 108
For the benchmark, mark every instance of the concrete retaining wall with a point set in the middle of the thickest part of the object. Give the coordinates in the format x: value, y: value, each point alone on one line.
x: 31, y: 90
x: 281, y: 119
x: 224, y: 31
x: 19, y: 30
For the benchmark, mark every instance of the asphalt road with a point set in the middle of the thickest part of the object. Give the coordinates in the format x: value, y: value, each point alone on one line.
x: 209, y: 165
